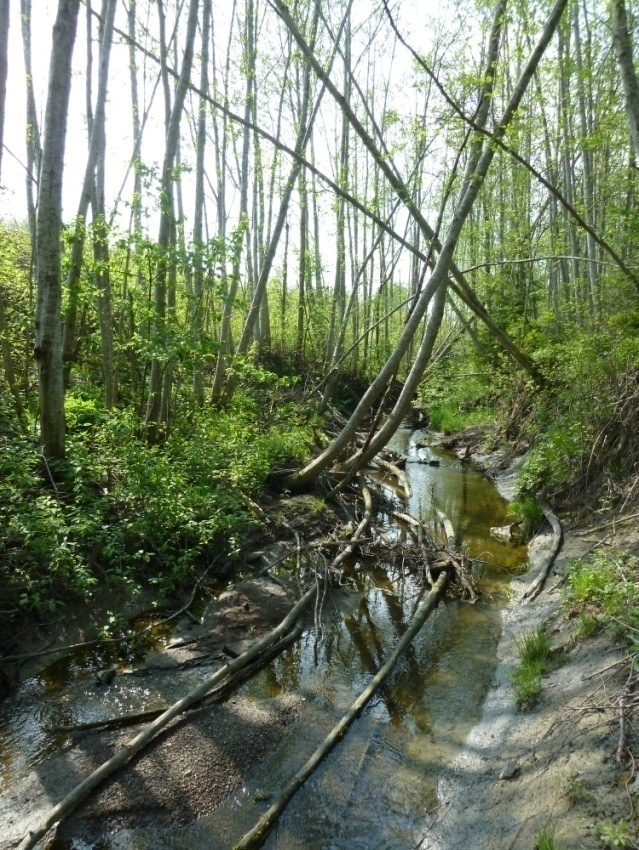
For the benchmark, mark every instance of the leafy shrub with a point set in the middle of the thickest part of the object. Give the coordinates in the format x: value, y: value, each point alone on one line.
x: 529, y: 512
x: 126, y: 513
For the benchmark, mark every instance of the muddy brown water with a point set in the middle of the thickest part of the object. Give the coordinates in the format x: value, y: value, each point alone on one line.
x: 378, y: 789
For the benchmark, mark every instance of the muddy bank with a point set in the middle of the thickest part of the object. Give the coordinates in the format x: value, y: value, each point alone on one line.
x: 554, y: 767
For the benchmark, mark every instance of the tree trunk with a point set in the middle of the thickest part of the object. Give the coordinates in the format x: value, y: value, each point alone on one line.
x: 198, y: 245
x: 48, y: 324
x: 158, y: 364
x: 4, y: 70
x: 96, y: 140
x: 625, y: 60
x: 478, y: 165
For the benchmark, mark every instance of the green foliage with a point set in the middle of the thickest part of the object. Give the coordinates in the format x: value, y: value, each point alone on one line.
x: 578, y: 428
x: 534, y: 653
x: 455, y: 404
x: 450, y: 419
x: 615, y: 834
x: 529, y: 512
x: 546, y: 838
x: 125, y: 513
x: 606, y: 588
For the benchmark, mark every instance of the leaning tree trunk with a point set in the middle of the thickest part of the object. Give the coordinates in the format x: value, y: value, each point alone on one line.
x: 48, y: 324
x: 473, y: 182
x: 310, y: 472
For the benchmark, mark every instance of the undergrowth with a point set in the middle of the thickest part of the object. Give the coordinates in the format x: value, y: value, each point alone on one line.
x: 455, y: 404
x: 605, y: 590
x: 546, y: 838
x: 529, y: 513
x: 124, y: 513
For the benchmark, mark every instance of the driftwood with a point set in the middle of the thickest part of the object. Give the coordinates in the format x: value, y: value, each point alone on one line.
x: 260, y: 831
x: 398, y: 473
x: 449, y: 531
x: 507, y: 533
x: 216, y: 695
x: 82, y: 791
x: 536, y: 586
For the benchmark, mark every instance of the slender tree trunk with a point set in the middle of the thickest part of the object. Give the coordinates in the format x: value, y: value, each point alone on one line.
x: 227, y: 308
x: 478, y: 164
x: 34, y: 152
x: 48, y: 324
x: 198, y: 245
x: 625, y: 60
x: 96, y: 130
x: 136, y: 203
x: 586, y: 157
x: 4, y: 70
x: 158, y: 364
x: 302, y: 138
x: 301, y: 300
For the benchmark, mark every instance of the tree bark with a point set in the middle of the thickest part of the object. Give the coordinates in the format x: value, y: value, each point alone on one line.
x: 97, y: 120
x: 48, y: 324
x: 158, y: 365
x: 474, y: 179
x: 198, y: 244
x: 4, y: 70
x: 625, y: 60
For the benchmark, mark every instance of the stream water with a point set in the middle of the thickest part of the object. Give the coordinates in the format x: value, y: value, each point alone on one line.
x: 378, y: 789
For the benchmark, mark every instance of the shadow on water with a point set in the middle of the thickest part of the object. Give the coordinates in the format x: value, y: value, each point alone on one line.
x: 379, y: 787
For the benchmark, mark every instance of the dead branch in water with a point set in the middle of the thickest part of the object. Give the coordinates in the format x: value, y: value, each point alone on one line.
x: 84, y: 789
x: 217, y: 695
x: 398, y: 473
x: 260, y: 831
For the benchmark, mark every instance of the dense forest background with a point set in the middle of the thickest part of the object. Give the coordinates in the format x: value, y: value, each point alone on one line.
x: 233, y: 238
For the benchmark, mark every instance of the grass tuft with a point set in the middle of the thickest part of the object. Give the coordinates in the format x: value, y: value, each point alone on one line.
x: 546, y: 838
x: 534, y: 654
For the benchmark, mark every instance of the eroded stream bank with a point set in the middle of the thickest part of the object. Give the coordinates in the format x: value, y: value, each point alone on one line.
x: 209, y: 777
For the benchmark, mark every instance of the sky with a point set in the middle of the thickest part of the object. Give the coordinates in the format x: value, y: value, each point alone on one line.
x: 419, y: 20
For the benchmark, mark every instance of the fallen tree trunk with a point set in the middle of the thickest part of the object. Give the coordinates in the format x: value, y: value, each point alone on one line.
x: 82, y: 791
x: 397, y: 472
x: 260, y: 831
x: 536, y: 586
x: 218, y: 694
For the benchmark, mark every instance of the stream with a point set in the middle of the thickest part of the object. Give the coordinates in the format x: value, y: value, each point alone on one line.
x: 378, y: 788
